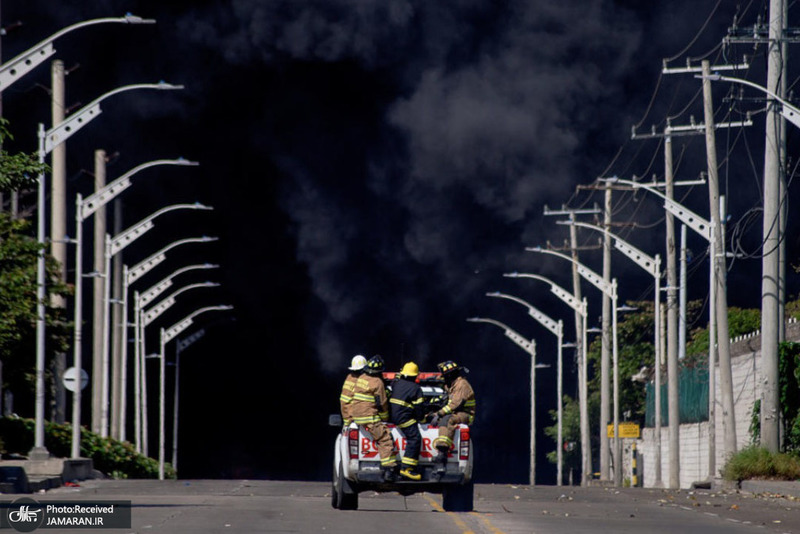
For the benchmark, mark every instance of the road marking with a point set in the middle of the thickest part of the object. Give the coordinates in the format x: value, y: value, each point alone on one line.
x: 460, y: 523
x: 493, y: 529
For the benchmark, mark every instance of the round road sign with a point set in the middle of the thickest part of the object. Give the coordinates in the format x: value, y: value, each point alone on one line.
x: 70, y: 378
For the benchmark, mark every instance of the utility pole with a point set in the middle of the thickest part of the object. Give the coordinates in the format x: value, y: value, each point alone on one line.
x: 674, y: 344
x: 720, y: 274
x: 586, y: 448
x: 605, y: 354
x: 58, y: 224
x: 98, y: 291
x: 116, y: 330
x: 771, y: 303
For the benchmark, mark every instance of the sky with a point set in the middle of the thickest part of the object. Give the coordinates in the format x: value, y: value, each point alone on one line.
x: 374, y: 168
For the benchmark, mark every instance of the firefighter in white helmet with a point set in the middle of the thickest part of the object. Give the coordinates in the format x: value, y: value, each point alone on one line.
x: 357, y: 365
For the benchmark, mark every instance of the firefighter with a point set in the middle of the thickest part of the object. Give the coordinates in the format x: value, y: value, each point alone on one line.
x: 460, y: 408
x: 405, y: 405
x: 357, y: 365
x: 370, y: 409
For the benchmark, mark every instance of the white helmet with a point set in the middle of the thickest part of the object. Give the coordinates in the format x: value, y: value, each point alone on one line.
x: 358, y: 363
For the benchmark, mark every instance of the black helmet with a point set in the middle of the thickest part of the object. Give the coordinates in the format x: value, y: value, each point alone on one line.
x: 448, y: 368
x: 375, y: 365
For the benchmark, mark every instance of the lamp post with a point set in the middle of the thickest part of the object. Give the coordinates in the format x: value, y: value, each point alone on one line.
x: 528, y: 346
x: 28, y: 60
x: 580, y: 307
x: 129, y: 276
x: 84, y: 208
x: 180, y: 346
x: 609, y: 290
x: 556, y: 328
x: 705, y: 229
x: 653, y: 266
x: 113, y: 246
x: 48, y: 140
x: 166, y: 336
x: 773, y: 261
x: 140, y: 378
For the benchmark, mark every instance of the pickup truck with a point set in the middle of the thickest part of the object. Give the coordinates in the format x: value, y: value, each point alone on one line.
x: 356, y: 464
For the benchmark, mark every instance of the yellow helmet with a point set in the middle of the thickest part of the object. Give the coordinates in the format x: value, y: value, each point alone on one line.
x: 410, y: 369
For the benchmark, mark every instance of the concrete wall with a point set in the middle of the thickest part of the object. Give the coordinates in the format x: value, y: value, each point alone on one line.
x: 693, y: 441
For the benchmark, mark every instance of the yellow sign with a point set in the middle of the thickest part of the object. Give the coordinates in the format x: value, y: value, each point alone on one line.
x: 626, y: 430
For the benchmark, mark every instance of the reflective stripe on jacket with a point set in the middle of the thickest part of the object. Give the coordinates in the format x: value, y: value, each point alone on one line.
x: 461, y: 398
x: 346, y: 397
x: 406, y: 402
x: 369, y: 404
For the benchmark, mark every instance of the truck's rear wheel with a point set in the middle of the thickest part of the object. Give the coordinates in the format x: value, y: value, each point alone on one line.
x: 458, y: 497
x: 344, y: 496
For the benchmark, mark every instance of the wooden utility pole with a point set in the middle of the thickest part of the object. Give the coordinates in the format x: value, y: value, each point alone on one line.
x: 720, y: 273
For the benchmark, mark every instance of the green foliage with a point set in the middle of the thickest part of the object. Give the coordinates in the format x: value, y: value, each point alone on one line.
x: 570, y: 432
x: 18, y: 258
x: 757, y: 462
x: 740, y: 322
x: 17, y: 171
x: 116, y: 458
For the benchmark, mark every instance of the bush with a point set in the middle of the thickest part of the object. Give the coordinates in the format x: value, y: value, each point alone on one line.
x: 115, y: 458
x: 759, y: 463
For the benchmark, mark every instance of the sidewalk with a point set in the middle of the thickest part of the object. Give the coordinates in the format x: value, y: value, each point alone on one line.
x: 31, y: 476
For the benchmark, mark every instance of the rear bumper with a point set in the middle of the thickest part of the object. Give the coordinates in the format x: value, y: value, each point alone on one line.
x: 373, y: 476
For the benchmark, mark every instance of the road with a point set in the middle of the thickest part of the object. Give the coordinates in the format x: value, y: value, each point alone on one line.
x: 244, y: 506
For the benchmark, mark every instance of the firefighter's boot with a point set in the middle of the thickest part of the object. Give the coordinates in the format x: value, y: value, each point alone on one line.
x: 389, y: 474
x: 410, y: 473
x: 440, y: 464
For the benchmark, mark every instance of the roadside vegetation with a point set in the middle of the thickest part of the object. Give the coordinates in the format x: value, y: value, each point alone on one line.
x: 115, y: 459
x: 636, y: 352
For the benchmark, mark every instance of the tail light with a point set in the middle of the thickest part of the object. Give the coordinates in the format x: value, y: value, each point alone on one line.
x: 352, y: 438
x: 463, y: 446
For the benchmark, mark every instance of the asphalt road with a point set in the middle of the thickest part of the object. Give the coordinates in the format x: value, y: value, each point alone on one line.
x: 245, y: 506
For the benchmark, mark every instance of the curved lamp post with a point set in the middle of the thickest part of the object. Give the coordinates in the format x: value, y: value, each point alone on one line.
x: 84, y: 208
x: 48, y: 140
x: 113, y: 246
x: 129, y: 276
x: 609, y: 290
x: 28, y: 60
x: 580, y: 307
x: 653, y: 267
x: 167, y: 335
x: 556, y: 328
x: 528, y: 346
x: 140, y: 379
x: 706, y: 230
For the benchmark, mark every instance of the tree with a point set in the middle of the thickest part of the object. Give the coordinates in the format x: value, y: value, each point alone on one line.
x: 17, y: 171
x: 18, y: 259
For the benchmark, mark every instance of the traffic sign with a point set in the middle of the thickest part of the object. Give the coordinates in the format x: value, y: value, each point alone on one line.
x: 70, y: 378
x: 626, y: 430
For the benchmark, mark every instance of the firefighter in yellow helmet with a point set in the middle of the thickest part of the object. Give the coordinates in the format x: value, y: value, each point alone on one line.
x: 370, y: 409
x: 357, y: 365
x: 405, y: 405
x: 460, y: 408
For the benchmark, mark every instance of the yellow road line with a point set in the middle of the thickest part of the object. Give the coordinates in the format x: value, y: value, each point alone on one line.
x: 460, y: 523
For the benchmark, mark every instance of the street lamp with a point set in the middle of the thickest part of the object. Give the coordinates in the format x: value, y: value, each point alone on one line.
x: 25, y: 62
x: 140, y: 378
x: 180, y: 346
x: 653, y: 266
x: 113, y: 246
x: 557, y: 328
x: 129, y: 276
x: 48, y: 140
x: 84, y: 208
x: 166, y: 336
x: 705, y: 229
x: 580, y: 307
x: 610, y: 290
x: 528, y: 346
